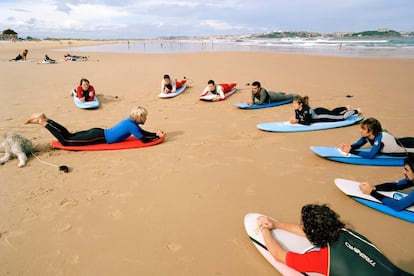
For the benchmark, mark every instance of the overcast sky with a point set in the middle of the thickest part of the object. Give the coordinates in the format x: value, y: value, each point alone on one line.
x: 106, y: 19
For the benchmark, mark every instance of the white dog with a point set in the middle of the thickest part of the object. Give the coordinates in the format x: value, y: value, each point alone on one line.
x: 16, y: 145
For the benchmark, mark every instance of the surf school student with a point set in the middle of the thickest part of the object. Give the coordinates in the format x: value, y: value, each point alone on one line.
x: 408, y: 181
x: 380, y: 140
x: 261, y: 96
x: 169, y: 85
x: 22, y: 56
x: 85, y: 92
x: 341, y: 250
x: 217, y: 90
x: 305, y: 115
x: 119, y: 132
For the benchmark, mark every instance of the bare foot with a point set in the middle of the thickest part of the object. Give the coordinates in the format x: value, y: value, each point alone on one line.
x: 359, y: 111
x: 38, y: 118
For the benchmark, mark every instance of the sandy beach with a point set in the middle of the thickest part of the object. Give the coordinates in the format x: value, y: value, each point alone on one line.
x: 177, y: 208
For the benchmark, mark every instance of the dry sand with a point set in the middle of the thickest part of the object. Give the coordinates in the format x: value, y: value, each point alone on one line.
x: 178, y: 208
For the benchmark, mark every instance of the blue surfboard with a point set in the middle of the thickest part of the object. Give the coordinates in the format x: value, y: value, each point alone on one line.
x: 265, y: 105
x: 85, y: 105
x: 285, y: 126
x: 177, y: 92
x: 351, y: 188
x: 335, y: 154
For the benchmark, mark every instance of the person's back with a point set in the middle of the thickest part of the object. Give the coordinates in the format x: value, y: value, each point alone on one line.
x: 353, y: 254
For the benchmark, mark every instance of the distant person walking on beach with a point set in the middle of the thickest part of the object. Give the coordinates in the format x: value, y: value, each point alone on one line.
x: 261, y: 96
x: 118, y: 133
x: 341, y: 251
x: 305, y: 115
x: 217, y: 90
x: 22, y: 56
x: 407, y: 182
x: 85, y: 92
x: 380, y: 140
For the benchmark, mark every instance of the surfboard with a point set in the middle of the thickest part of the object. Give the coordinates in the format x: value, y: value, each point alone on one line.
x: 351, y: 189
x: 177, y: 92
x: 288, y: 240
x: 286, y: 126
x: 335, y: 154
x: 211, y: 97
x: 129, y: 143
x: 85, y: 105
x: 265, y: 105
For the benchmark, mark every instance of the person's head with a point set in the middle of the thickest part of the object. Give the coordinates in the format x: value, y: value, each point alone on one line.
x: 211, y: 85
x: 256, y: 86
x: 167, y: 79
x: 138, y: 115
x: 84, y: 83
x: 409, y: 167
x: 321, y: 224
x: 25, y: 51
x: 299, y: 102
x: 370, y: 126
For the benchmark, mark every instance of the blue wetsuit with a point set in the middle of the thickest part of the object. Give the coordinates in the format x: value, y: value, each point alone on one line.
x: 395, y: 204
x: 117, y: 133
x: 384, y: 143
x: 376, y: 144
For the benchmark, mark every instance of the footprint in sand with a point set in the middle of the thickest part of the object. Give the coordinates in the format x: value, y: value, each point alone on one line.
x: 68, y: 203
x: 174, y: 247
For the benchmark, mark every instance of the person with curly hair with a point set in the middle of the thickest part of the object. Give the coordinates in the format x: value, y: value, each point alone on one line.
x: 341, y: 251
x: 380, y: 140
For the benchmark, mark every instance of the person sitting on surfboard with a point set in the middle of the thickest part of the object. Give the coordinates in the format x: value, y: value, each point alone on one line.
x: 169, y: 85
x: 217, y: 90
x: 341, y: 250
x: 380, y: 140
x: 305, y: 115
x: 261, y: 96
x: 408, y: 181
x: 85, y: 92
x: 119, y: 132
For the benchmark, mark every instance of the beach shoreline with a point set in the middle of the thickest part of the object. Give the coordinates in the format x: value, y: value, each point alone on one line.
x: 178, y: 208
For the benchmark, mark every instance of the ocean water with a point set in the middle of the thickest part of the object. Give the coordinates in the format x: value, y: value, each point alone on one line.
x: 391, y: 48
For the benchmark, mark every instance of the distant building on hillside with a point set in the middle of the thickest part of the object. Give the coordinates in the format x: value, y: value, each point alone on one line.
x: 9, y: 35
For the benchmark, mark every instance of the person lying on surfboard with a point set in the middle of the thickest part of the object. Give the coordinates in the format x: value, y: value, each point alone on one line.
x: 341, y: 251
x: 119, y: 132
x: 380, y: 140
x: 169, y: 85
x: 261, y: 96
x: 305, y: 115
x: 218, y: 90
x: 407, y: 182
x: 85, y: 92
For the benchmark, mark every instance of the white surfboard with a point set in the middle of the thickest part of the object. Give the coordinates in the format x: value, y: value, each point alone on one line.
x: 211, y: 97
x: 288, y: 240
x: 351, y: 188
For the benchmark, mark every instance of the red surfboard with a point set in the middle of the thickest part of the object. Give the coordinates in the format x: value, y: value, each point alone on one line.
x: 129, y: 143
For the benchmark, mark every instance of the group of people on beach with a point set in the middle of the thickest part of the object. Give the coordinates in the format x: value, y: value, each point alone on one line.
x: 66, y: 57
x: 319, y: 223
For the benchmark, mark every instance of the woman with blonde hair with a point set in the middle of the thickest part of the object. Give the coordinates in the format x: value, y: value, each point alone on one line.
x: 119, y: 132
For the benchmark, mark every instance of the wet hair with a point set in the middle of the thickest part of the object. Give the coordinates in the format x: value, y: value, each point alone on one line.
x: 409, y: 160
x: 256, y: 83
x: 303, y: 100
x: 211, y: 82
x: 83, y: 80
x: 320, y: 224
x: 373, y: 125
x: 166, y: 76
x: 137, y: 112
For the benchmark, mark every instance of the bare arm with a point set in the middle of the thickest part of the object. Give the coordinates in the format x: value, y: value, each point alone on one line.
x: 276, y: 250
